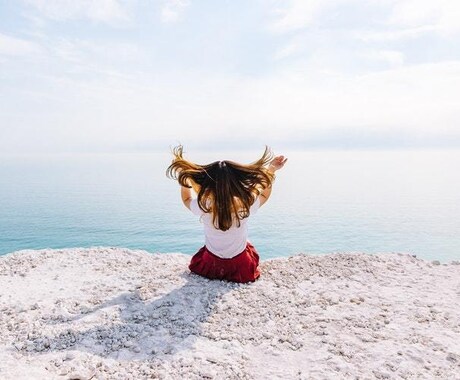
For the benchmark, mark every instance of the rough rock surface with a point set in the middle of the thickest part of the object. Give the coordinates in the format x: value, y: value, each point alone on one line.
x: 113, y: 313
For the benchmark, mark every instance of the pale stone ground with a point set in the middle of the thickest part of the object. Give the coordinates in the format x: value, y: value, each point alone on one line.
x: 112, y: 313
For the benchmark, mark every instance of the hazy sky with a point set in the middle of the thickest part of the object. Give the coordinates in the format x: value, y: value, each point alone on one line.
x: 113, y: 75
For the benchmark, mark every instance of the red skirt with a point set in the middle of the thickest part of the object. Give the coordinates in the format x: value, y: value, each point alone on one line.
x: 243, y: 267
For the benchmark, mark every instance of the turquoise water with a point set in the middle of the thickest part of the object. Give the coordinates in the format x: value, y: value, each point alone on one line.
x: 323, y: 201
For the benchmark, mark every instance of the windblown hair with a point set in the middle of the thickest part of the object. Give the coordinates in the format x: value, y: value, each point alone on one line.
x: 226, y: 189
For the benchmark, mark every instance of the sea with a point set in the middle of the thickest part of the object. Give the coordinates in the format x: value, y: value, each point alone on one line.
x: 323, y: 201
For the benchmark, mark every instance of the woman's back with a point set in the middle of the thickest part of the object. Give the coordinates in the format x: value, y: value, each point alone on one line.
x: 229, y: 243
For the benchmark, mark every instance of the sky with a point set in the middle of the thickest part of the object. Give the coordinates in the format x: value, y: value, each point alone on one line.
x: 121, y: 76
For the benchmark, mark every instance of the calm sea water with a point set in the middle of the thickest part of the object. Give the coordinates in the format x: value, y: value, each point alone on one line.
x: 322, y: 202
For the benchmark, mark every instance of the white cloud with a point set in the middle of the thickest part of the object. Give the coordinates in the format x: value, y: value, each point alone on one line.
x: 413, y: 17
x: 393, y: 34
x: 294, y: 46
x: 173, y: 10
x: 394, y: 20
x: 111, y: 93
x: 105, y: 11
x: 297, y: 14
x: 12, y: 46
x: 393, y: 58
x: 85, y: 52
x: 415, y: 101
x: 444, y: 15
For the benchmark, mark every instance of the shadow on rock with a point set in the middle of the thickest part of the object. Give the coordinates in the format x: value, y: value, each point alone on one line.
x: 139, y: 323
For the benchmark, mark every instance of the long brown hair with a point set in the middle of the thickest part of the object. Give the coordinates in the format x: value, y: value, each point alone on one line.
x: 226, y: 189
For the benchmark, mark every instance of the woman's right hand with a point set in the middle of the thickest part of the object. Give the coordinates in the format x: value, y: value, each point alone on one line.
x: 277, y: 163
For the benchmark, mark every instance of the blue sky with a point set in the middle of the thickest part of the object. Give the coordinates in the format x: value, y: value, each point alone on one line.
x: 139, y: 75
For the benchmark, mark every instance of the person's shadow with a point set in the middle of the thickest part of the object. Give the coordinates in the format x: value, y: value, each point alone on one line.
x: 145, y: 325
